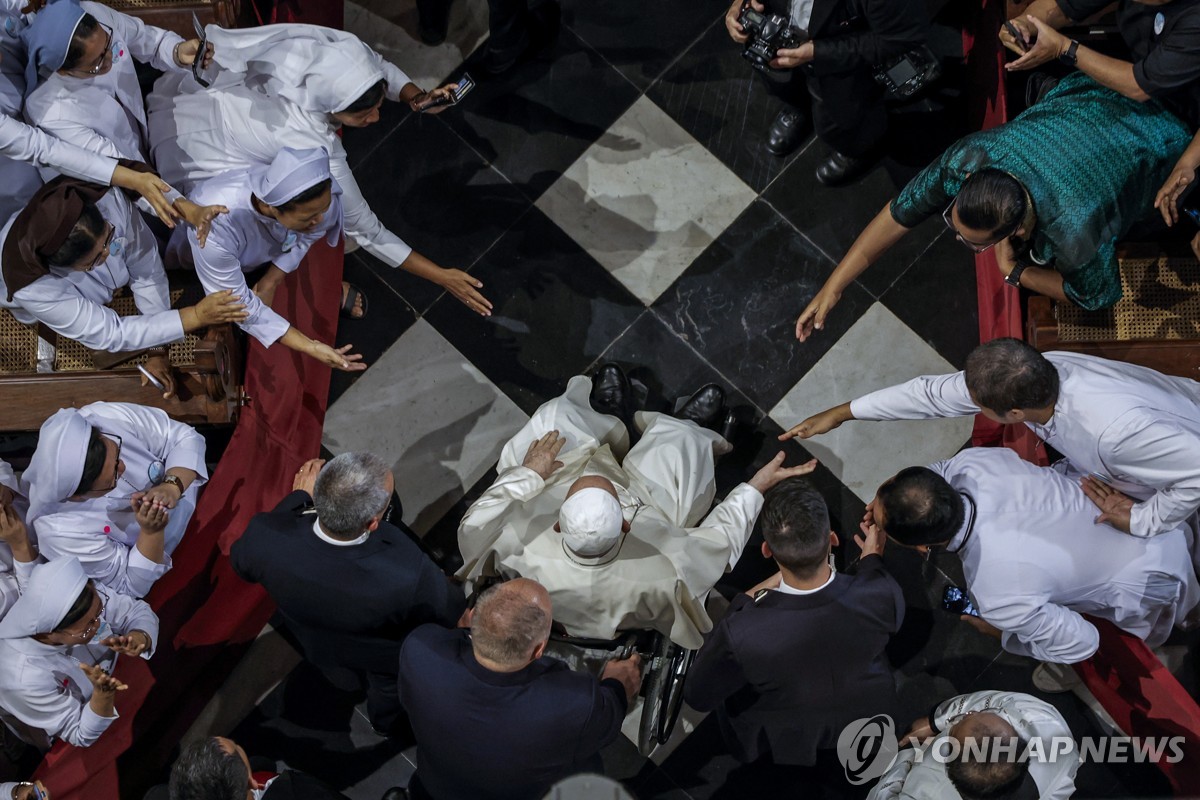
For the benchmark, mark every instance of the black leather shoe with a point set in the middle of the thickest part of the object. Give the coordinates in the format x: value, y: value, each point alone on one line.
x: 786, y: 132
x: 839, y: 169
x: 611, y: 393
x: 729, y: 427
x: 433, y: 21
x: 704, y: 407
x: 395, y: 793
x: 545, y: 22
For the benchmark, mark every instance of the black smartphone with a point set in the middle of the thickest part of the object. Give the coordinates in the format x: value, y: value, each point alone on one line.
x: 1193, y: 214
x: 198, y: 64
x: 1019, y: 37
x: 465, y: 84
x: 956, y: 601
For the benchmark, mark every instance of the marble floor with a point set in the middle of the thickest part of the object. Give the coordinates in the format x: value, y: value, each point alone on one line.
x: 616, y: 201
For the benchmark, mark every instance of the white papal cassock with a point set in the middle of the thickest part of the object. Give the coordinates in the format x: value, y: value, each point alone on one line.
x: 101, y: 531
x: 1135, y: 428
x: 1035, y: 561
x: 662, y: 569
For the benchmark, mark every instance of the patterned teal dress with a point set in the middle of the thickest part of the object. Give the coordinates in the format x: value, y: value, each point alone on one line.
x: 1091, y: 159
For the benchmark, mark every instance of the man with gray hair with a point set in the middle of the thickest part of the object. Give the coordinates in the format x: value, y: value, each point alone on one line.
x: 525, y: 720
x: 349, y: 585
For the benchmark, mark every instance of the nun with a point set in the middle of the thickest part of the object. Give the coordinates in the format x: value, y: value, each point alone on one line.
x: 17, y: 555
x: 81, y: 78
x: 276, y: 212
x: 292, y: 85
x: 114, y: 485
x: 65, y: 254
x: 58, y: 646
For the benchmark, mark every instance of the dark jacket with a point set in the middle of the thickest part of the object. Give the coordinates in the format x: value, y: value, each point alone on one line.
x: 488, y: 735
x: 292, y: 785
x: 787, y: 673
x: 857, y: 35
x: 348, y: 606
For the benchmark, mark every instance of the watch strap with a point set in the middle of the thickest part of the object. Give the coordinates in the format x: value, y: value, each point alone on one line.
x: 1014, y: 278
x: 1071, y: 56
x: 174, y: 481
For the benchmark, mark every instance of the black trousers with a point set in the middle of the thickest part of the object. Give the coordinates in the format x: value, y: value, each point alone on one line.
x: 847, y: 108
x: 508, y: 22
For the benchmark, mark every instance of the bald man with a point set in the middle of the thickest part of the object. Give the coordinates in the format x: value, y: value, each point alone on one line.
x: 525, y: 720
x: 622, y: 538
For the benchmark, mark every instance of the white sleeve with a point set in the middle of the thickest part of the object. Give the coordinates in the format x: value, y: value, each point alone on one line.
x: 70, y: 314
x: 1159, y: 453
x: 147, y: 43
x: 44, y: 707
x: 927, y: 397
x: 891, y: 784
x: 127, y: 614
x: 361, y: 223
x: 396, y: 78
x: 734, y: 517
x: 22, y: 142
x: 484, y: 520
x: 123, y: 569
x: 176, y: 443
x: 67, y: 119
x: 147, y: 276
x: 220, y: 269
x: 1043, y: 630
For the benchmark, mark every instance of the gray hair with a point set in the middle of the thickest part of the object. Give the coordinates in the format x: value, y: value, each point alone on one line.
x: 350, y: 490
x: 509, y: 623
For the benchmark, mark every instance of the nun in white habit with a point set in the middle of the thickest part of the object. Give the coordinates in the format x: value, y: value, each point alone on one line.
x: 293, y: 86
x: 58, y: 646
x: 115, y: 485
x: 276, y: 213
x: 17, y: 553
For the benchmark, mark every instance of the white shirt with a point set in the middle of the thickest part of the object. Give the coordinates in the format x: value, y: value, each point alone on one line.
x: 101, y: 531
x: 21, y: 142
x: 44, y: 694
x: 787, y: 588
x: 242, y: 241
x: 105, y: 113
x: 926, y: 779
x: 1136, y: 428
x: 72, y: 302
x: 196, y: 135
x: 1035, y: 561
x: 325, y: 537
x: 801, y: 14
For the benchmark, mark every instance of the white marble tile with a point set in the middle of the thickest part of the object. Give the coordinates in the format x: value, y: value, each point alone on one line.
x: 878, y: 351
x: 390, y: 27
x: 646, y: 199
x: 429, y: 411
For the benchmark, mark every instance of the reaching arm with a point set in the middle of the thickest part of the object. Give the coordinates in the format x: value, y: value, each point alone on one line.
x: 125, y: 569
x: 484, y: 520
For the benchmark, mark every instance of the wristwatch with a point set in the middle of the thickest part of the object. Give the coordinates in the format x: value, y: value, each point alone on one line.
x: 1013, y: 278
x: 178, y: 484
x: 1069, y: 58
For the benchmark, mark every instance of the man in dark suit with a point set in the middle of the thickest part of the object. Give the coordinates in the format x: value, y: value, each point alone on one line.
x: 801, y: 655
x: 844, y: 40
x: 493, y: 718
x: 348, y: 585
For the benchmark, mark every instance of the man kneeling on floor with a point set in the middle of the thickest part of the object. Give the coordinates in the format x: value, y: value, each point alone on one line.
x: 613, y: 533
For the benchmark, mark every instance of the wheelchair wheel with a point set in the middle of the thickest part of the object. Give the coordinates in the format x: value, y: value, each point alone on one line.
x: 663, y: 697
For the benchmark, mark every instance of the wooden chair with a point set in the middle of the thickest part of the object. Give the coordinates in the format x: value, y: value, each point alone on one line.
x: 176, y: 15
x: 1155, y: 324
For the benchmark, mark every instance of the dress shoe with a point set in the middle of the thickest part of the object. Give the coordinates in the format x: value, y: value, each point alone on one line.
x: 839, y: 169
x: 704, y: 407
x: 729, y: 427
x: 786, y: 132
x: 611, y: 393
x: 433, y: 21
x: 545, y: 21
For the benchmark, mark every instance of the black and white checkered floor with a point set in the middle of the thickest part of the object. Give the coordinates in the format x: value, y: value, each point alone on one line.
x: 617, y: 203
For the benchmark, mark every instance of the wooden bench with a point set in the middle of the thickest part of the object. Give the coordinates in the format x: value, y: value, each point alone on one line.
x: 176, y: 15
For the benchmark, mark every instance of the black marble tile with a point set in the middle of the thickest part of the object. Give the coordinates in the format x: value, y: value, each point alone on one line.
x: 737, y: 305
x: 388, y: 316
x: 555, y: 311
x: 361, y: 142
x: 638, y: 38
x: 714, y: 94
x: 535, y: 120
x: 438, y: 195
x: 936, y: 297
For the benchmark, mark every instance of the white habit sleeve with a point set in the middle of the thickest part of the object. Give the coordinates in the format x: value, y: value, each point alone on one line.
x: 44, y: 706
x: 734, y: 517
x: 127, y: 614
x: 22, y: 142
x: 1042, y: 630
x: 361, y: 223
x: 1156, y: 453
x: 147, y: 43
x: 68, y: 313
x: 927, y: 397
x: 219, y: 269
x: 105, y: 561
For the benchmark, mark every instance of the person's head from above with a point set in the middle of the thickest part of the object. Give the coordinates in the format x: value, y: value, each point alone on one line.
x: 80, y: 623
x: 102, y: 466
x: 590, y: 518
x: 74, y: 460
x: 364, y: 109
x: 58, y: 606
x: 796, y: 530
x: 990, y: 207
x: 90, y: 52
x: 215, y: 768
x: 1011, y: 382
x: 87, y: 244
x: 295, y: 189
x: 989, y: 761
x: 352, y: 493
x: 510, y: 625
x: 917, y: 508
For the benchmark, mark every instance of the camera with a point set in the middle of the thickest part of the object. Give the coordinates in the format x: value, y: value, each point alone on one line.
x: 768, y: 33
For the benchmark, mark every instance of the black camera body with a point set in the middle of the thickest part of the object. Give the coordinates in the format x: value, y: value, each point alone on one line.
x: 768, y: 33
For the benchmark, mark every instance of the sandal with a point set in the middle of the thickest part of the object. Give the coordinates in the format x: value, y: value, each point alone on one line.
x: 349, y: 301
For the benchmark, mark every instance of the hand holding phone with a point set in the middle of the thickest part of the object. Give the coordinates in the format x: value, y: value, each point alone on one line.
x: 461, y: 89
x: 1017, y: 36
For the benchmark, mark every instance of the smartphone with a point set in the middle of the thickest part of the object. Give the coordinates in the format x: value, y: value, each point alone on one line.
x: 1015, y: 32
x: 956, y: 601
x: 1193, y: 214
x: 150, y: 377
x: 465, y: 85
x: 198, y: 64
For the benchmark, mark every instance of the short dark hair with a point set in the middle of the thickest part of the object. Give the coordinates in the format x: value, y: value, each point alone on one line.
x: 795, y: 523
x: 920, y: 507
x: 368, y: 99
x: 991, y: 200
x: 988, y: 779
x: 93, y: 463
x: 83, y: 31
x: 311, y: 193
x: 81, y: 239
x: 78, y: 609
x: 205, y: 771
x: 1005, y: 374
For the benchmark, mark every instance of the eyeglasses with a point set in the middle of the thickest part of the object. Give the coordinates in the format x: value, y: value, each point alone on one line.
x: 972, y: 246
x: 99, y: 65
x: 117, y: 462
x: 93, y: 625
x: 103, y: 255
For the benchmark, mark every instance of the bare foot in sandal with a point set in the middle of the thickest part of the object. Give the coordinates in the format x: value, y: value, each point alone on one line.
x: 354, y: 301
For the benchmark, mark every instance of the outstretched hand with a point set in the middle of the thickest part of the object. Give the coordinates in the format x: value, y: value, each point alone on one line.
x: 542, y: 455
x: 773, y: 472
x: 1116, y: 508
x: 813, y: 316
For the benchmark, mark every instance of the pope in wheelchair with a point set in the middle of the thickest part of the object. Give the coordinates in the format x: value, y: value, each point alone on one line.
x: 619, y: 536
